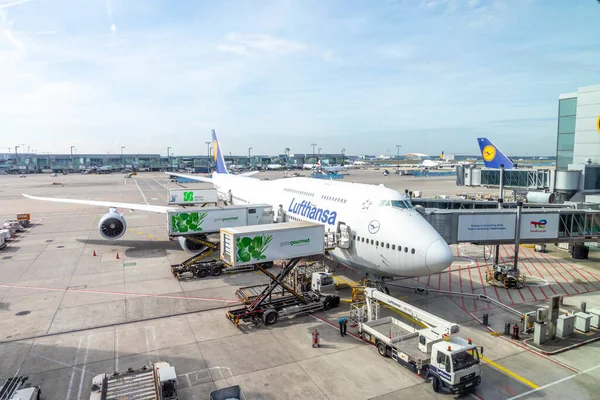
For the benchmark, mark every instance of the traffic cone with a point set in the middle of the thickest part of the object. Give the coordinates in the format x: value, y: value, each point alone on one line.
x: 94, y: 253
x: 118, y: 256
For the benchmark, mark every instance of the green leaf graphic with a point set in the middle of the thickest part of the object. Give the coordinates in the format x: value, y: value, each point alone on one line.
x: 188, y: 196
x: 252, y: 248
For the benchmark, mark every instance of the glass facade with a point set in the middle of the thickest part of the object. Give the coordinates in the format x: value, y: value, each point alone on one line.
x: 567, y: 108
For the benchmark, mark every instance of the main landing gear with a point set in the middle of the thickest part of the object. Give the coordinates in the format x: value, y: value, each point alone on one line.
x: 378, y: 282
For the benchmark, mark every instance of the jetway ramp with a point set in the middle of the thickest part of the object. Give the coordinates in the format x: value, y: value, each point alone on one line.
x: 499, y: 226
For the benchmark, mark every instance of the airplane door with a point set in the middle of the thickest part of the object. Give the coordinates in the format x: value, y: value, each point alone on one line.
x: 344, y: 236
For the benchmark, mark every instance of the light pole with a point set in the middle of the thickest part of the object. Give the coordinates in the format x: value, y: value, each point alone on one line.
x: 313, y: 146
x: 398, y: 159
x: 208, y: 153
x: 168, y: 157
x: 319, y: 151
x: 122, y: 158
x: 16, y: 157
x: 72, y: 164
x: 249, y: 160
x: 343, y: 156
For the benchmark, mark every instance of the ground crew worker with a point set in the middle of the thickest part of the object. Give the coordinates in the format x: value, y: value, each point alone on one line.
x: 343, y: 323
x: 316, y: 339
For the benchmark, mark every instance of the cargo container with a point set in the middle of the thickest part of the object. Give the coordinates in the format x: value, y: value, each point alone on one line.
x: 283, y: 241
x: 205, y: 220
x: 192, y: 196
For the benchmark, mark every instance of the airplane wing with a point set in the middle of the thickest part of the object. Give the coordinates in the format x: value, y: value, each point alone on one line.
x: 191, y: 177
x: 110, y: 204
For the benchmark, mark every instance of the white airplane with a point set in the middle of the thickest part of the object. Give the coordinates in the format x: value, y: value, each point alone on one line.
x: 274, y: 166
x: 330, y: 169
x: 388, y: 237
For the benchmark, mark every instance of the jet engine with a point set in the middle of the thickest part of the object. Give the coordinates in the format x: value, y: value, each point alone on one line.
x: 189, y: 246
x: 112, y: 226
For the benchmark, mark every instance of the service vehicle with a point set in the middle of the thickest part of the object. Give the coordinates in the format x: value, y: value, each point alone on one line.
x: 157, y: 381
x: 17, y: 388
x: 283, y: 241
x: 189, y: 197
x: 452, y: 363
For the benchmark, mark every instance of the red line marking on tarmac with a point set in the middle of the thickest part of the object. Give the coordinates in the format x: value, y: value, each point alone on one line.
x: 593, y: 283
x: 461, y: 288
x: 560, y: 273
x: 482, y: 282
x: 450, y: 279
x: 428, y: 280
x: 419, y: 279
x: 166, y: 296
x: 553, y: 278
x: 439, y: 280
x: 334, y: 326
x: 528, y: 287
x: 472, y: 290
x: 552, y: 259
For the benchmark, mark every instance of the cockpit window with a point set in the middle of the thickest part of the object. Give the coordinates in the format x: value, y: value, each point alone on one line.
x: 396, y: 203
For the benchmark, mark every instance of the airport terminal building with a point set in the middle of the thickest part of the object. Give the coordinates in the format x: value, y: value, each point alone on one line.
x: 578, y: 139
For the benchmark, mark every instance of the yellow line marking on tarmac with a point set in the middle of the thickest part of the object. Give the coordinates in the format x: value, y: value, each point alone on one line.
x: 510, y: 373
x: 348, y: 281
x: 140, y: 233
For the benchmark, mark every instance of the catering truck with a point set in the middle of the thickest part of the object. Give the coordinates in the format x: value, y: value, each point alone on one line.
x: 189, y: 197
x: 205, y: 220
x: 289, y: 242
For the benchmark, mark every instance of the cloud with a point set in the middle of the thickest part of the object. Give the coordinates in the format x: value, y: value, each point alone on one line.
x: 13, y: 3
x: 241, y: 43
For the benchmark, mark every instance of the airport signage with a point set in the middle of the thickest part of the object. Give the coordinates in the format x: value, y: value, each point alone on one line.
x: 192, y: 196
x: 539, y: 226
x: 480, y: 226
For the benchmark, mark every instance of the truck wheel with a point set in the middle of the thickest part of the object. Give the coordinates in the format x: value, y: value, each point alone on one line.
x: 382, y: 349
x: 270, y: 317
x: 327, y: 304
x: 216, y: 271
x: 201, y: 273
x: 436, y: 384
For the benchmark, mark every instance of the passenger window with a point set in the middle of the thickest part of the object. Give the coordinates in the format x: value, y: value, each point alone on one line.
x: 362, y: 239
x: 399, y: 248
x: 406, y: 249
x: 387, y: 245
x: 371, y: 241
x: 393, y: 247
x: 413, y: 251
x: 353, y: 237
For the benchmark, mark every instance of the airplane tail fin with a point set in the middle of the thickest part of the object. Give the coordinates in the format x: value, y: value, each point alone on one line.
x: 342, y: 164
x: 220, y: 167
x: 492, y: 156
x: 442, y: 155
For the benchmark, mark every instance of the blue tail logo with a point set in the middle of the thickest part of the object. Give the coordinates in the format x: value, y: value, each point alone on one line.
x: 492, y: 156
x: 220, y: 168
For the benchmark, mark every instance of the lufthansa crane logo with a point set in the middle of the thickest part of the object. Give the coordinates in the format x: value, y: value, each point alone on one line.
x: 374, y: 226
x: 489, y: 153
x: 598, y: 124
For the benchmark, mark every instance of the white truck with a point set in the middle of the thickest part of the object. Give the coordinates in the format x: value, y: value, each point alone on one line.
x: 189, y: 197
x: 452, y: 363
x: 17, y: 388
x: 206, y: 220
x: 154, y: 382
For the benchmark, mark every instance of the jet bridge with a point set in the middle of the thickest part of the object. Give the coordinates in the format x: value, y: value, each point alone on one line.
x: 499, y: 226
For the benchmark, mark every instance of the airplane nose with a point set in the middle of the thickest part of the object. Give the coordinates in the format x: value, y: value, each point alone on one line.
x: 438, y: 256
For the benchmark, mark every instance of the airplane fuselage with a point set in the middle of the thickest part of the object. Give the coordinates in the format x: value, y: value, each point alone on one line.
x: 389, y: 238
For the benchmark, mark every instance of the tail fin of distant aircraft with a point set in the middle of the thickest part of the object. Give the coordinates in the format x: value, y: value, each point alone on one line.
x: 342, y: 164
x: 442, y: 156
x: 492, y: 156
x: 220, y: 168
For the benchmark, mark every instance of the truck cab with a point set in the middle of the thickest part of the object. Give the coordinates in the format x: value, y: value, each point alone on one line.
x: 455, y: 365
x: 322, y: 282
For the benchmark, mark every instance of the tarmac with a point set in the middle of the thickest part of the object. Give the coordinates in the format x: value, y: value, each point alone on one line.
x: 68, y: 315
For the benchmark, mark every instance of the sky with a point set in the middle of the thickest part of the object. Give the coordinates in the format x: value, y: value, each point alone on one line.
x: 365, y: 76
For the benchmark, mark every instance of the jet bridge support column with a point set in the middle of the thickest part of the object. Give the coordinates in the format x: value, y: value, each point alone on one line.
x: 500, y: 201
x: 517, y: 238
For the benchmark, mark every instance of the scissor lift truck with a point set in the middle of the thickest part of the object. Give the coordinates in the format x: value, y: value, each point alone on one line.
x: 452, y: 362
x: 154, y: 382
x: 17, y: 388
x: 283, y: 241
